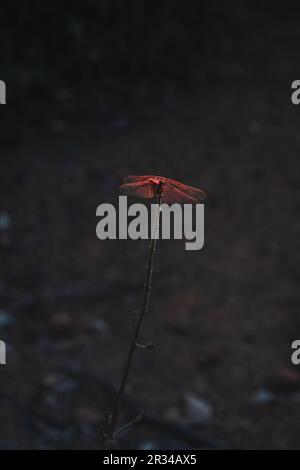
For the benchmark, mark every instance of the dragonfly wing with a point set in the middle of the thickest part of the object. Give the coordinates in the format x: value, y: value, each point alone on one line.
x: 135, y: 178
x: 142, y: 189
x: 173, y: 191
x: 171, y: 195
x: 196, y: 193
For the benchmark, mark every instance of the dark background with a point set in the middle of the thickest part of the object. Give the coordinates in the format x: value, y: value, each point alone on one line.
x: 198, y: 91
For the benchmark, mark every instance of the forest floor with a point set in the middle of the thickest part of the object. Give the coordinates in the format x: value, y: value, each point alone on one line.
x: 222, y: 319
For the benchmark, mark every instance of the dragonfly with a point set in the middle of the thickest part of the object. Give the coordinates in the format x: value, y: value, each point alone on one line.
x: 172, y: 191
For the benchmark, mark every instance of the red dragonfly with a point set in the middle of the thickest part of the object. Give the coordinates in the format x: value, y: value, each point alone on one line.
x: 172, y: 191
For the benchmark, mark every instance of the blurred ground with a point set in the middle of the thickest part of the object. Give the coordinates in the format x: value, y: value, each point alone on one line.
x: 222, y: 319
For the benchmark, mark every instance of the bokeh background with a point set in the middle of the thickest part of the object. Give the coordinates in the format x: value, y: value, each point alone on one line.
x: 198, y: 91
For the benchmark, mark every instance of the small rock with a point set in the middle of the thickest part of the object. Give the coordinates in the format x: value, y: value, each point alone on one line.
x: 100, y: 325
x: 5, y: 221
x: 197, y: 410
x: 148, y: 445
x: 264, y: 396
x: 60, y: 383
x: 191, y: 411
x: 5, y: 319
x: 66, y: 385
x: 168, y: 443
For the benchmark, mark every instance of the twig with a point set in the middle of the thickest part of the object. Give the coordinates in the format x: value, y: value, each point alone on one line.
x: 109, y: 430
x: 137, y: 419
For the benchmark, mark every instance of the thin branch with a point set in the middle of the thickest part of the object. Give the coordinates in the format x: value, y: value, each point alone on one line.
x: 109, y: 432
x: 137, y: 419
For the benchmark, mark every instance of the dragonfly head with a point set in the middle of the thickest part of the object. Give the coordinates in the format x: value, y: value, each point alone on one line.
x: 157, y: 180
